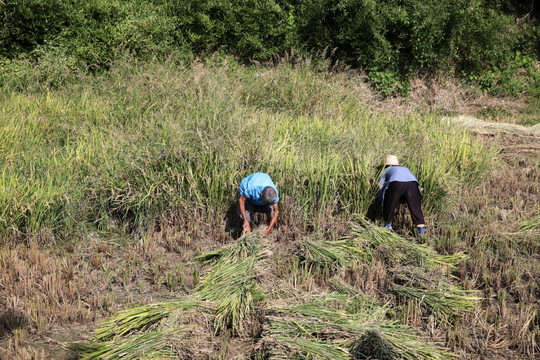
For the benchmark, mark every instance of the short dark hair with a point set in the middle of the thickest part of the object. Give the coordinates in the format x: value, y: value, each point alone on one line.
x: 269, y: 195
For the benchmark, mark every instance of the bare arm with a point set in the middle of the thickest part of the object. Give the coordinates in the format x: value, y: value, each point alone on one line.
x: 242, y: 206
x: 272, y: 221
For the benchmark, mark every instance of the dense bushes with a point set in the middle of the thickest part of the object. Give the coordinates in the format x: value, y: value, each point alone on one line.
x: 392, y: 40
x: 250, y: 29
x: 89, y: 34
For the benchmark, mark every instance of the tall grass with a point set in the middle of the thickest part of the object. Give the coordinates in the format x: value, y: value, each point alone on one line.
x: 150, y: 141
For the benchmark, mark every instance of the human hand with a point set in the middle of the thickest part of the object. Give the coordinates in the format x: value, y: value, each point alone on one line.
x: 247, y: 228
x: 266, y: 232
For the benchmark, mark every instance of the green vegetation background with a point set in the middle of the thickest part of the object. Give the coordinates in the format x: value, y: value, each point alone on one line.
x: 150, y: 141
x: 493, y: 44
x: 96, y: 134
x: 141, y: 118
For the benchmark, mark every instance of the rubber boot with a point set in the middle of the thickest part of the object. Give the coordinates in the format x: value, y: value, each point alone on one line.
x: 421, y: 230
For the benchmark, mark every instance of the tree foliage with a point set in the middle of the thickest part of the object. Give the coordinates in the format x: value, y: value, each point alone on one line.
x: 392, y: 40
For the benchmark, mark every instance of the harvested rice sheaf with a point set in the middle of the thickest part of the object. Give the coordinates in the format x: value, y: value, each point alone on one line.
x: 321, y: 327
x: 141, y: 318
x: 150, y: 345
x: 398, y: 250
x: 232, y: 284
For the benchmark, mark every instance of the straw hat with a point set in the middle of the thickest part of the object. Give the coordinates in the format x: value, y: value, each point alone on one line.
x: 391, y: 160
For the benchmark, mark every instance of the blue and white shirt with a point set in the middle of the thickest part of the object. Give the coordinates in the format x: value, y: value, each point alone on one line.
x: 394, y: 173
x: 253, y: 185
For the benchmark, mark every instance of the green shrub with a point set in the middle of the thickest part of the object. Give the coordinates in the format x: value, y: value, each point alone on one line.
x: 392, y: 40
x: 91, y: 33
x: 394, y: 37
x: 25, y: 25
x: 249, y: 29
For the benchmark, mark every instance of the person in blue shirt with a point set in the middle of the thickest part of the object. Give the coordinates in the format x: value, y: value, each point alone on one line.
x: 398, y: 184
x: 258, y: 194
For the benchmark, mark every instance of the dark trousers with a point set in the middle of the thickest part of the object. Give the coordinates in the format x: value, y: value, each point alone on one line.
x: 407, y: 192
x: 251, y: 209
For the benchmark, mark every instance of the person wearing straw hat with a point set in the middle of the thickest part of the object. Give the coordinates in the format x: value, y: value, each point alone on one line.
x: 258, y: 194
x: 398, y: 184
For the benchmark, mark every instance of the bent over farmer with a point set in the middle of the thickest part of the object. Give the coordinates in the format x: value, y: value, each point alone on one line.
x: 398, y: 184
x: 258, y: 194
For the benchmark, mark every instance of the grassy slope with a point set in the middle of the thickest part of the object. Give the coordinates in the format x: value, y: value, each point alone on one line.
x: 129, y: 176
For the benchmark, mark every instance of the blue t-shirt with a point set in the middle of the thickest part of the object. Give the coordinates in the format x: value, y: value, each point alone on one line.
x: 394, y: 173
x: 253, y: 185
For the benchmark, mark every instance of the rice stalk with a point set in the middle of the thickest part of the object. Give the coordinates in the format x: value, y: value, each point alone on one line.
x: 226, y: 277
x: 236, y: 308
x: 233, y: 288
x: 245, y: 246
x: 530, y: 224
x: 320, y: 327
x: 331, y: 308
x: 301, y: 348
x: 151, y: 345
x: 449, y: 261
x: 140, y: 318
x: 446, y: 300
x: 357, y: 300
x: 329, y: 254
x: 441, y: 297
x: 231, y: 283
x: 398, y: 249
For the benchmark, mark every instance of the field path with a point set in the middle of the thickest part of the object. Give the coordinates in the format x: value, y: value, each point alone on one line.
x: 493, y: 128
x: 519, y: 139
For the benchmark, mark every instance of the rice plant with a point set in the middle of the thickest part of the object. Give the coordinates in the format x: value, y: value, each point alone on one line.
x: 245, y: 246
x: 444, y: 299
x: 328, y: 256
x: 302, y: 348
x: 141, y: 318
x: 357, y: 301
x: 416, y: 264
x: 233, y: 288
x: 320, y: 327
x: 150, y: 345
x: 448, y: 300
x: 120, y: 152
x: 397, y: 249
x: 231, y: 283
